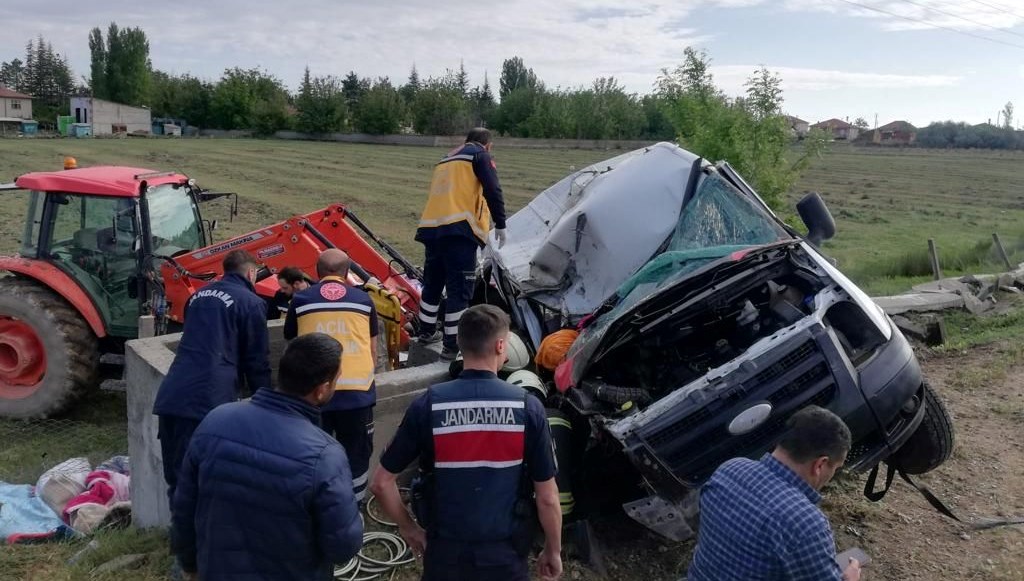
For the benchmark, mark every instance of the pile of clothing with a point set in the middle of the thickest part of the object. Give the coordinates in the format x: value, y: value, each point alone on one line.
x: 72, y: 498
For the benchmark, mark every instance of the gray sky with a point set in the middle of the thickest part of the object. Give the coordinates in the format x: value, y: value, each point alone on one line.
x: 837, y: 59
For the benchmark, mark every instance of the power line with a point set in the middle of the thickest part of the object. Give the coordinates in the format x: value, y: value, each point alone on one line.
x: 930, y: 24
x: 1002, y: 9
x: 965, y: 19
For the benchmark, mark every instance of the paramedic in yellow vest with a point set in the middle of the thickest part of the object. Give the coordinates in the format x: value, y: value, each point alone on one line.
x: 464, y: 198
x: 347, y: 314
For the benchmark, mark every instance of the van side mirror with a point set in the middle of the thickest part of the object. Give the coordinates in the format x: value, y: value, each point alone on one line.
x: 815, y: 215
x: 213, y: 225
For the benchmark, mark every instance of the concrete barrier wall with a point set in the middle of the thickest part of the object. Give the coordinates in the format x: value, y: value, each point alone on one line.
x: 146, y: 364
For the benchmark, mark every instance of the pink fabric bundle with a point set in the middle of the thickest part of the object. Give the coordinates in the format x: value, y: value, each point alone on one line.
x: 103, y: 491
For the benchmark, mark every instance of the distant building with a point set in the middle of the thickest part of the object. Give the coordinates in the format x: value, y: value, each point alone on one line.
x: 109, y: 118
x: 838, y: 128
x: 797, y: 126
x: 15, y: 113
x: 15, y: 105
x: 895, y: 133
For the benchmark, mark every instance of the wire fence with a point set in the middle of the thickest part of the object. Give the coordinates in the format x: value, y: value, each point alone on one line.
x: 29, y: 448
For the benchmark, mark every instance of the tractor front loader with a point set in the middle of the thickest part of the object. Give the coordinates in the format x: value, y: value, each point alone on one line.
x: 104, y: 245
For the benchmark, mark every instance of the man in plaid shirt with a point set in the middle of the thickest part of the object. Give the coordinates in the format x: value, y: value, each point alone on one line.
x: 759, y: 519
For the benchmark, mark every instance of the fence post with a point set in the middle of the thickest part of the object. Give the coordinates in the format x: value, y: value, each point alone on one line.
x: 933, y: 255
x: 1001, y: 250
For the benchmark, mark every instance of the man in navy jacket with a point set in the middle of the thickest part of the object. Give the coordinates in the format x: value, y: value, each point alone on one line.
x: 264, y: 493
x: 224, y: 345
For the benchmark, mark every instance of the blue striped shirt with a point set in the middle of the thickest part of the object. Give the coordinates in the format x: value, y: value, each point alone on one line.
x: 760, y: 521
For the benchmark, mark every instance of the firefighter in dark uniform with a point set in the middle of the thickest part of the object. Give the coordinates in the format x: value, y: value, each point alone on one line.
x: 291, y: 280
x: 224, y: 344
x: 464, y: 197
x: 346, y: 313
x: 484, y: 453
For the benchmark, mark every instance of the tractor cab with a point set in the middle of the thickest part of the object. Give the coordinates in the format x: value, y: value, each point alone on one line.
x: 104, y: 226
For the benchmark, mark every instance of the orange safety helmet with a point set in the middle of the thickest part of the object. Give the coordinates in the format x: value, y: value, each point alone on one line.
x: 554, y: 348
x: 70, y: 163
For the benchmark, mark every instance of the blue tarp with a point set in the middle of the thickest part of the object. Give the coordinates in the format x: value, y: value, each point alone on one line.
x: 24, y: 513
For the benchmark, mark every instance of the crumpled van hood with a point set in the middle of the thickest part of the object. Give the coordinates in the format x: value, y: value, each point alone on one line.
x: 580, y: 239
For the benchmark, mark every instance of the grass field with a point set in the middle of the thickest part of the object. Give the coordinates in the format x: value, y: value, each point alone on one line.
x: 887, y: 202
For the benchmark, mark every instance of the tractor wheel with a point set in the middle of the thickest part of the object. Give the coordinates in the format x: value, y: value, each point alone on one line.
x: 932, y: 443
x: 48, y: 354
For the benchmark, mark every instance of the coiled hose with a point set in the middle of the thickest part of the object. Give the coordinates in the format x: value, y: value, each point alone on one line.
x: 365, y: 568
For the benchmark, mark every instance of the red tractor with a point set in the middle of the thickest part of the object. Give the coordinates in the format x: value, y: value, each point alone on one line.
x: 104, y: 245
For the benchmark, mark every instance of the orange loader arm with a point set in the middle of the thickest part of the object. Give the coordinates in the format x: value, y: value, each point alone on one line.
x: 297, y: 241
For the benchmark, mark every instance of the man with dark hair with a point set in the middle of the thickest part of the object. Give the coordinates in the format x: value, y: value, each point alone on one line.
x: 760, y: 520
x: 224, y: 346
x: 291, y: 280
x: 485, y: 456
x: 464, y: 197
x: 346, y: 313
x: 264, y: 493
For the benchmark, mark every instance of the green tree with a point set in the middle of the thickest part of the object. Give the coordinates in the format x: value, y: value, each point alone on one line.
x: 320, y: 104
x: 181, y: 97
x: 861, y: 123
x: 1007, y: 115
x: 380, y: 110
x: 241, y: 94
x: 354, y: 87
x: 481, y: 104
x: 47, y: 77
x: 657, y: 124
x: 462, y: 80
x: 121, y: 71
x: 12, y: 74
x: 411, y: 86
x: 515, y: 75
x: 439, y: 108
x: 553, y: 115
x: 97, y: 64
x: 516, y: 108
x: 749, y: 133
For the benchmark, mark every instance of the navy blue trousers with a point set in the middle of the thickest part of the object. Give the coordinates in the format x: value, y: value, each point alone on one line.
x: 449, y: 270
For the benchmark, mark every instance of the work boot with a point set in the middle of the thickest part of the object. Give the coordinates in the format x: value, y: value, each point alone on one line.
x: 449, y: 353
x: 429, y: 339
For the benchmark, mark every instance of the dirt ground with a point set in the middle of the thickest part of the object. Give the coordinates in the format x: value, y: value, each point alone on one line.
x: 984, y: 390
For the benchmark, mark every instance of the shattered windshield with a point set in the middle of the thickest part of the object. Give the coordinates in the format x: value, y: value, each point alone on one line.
x: 716, y: 222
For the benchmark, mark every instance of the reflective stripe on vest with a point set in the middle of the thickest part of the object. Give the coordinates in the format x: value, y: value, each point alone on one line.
x: 456, y: 195
x: 349, y: 324
x: 478, y: 434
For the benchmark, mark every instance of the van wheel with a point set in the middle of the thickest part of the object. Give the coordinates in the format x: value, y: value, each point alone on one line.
x: 932, y: 443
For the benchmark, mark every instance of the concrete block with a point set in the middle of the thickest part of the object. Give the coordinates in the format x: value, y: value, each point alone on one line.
x: 420, y: 354
x: 920, y: 302
x: 945, y: 285
x: 976, y: 305
x: 146, y: 364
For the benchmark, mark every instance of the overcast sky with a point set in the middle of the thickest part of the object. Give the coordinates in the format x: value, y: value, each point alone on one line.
x: 919, y: 60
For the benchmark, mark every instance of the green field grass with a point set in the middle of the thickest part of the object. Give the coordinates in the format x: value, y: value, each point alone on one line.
x: 887, y: 202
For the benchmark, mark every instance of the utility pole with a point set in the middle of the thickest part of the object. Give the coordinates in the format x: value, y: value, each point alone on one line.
x: 876, y: 121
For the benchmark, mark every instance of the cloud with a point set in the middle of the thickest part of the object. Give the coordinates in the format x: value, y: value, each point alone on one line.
x: 892, y: 15
x: 732, y: 77
x: 567, y: 43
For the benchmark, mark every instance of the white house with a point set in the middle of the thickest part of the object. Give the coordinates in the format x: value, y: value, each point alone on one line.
x: 107, y: 117
x: 14, y: 105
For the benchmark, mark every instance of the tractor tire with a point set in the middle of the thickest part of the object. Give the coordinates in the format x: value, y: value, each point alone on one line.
x: 932, y: 442
x: 48, y: 354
